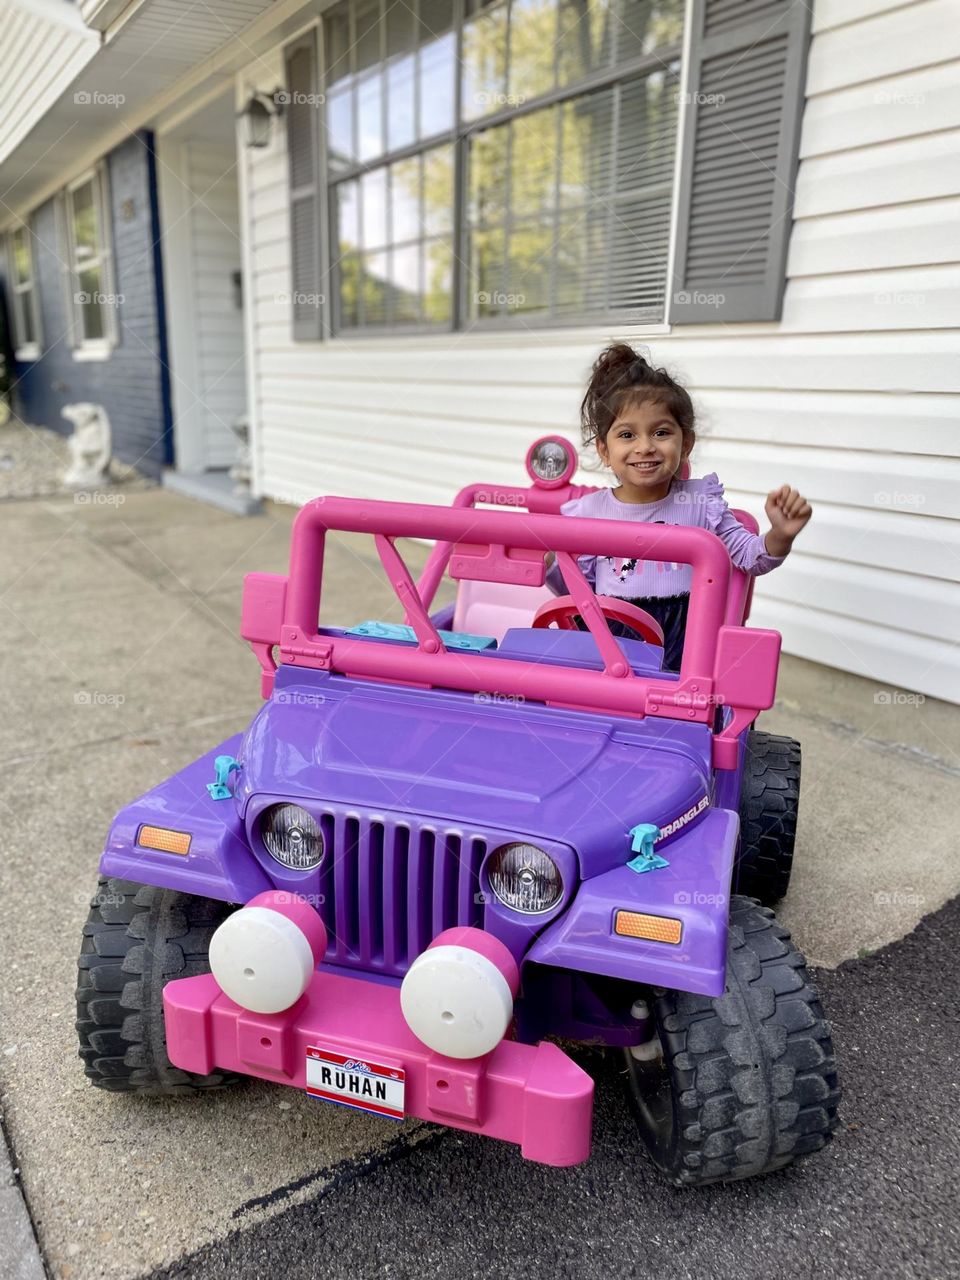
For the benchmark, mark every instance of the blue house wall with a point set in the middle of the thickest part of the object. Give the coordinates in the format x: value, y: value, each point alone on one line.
x: 132, y: 384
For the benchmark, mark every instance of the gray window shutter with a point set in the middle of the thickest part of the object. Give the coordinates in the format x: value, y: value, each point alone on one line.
x: 739, y: 159
x: 303, y: 156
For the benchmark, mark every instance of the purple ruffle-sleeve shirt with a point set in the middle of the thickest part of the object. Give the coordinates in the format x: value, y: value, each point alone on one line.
x: 695, y: 503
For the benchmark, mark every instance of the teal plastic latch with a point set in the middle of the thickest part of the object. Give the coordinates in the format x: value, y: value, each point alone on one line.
x: 644, y: 835
x: 397, y: 631
x: 224, y: 765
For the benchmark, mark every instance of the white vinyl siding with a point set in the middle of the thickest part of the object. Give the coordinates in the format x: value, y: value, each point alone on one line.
x: 853, y: 397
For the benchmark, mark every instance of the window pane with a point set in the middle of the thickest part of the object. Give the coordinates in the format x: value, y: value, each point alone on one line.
x: 437, y: 81
x: 400, y: 102
x: 401, y: 33
x: 84, y: 221
x: 587, y: 32
x: 405, y: 200
x: 405, y: 284
x: 89, y: 304
x: 367, y: 49
x: 647, y: 129
x: 586, y: 148
x: 645, y: 25
x: 23, y: 308
x: 580, y: 264
x: 438, y: 302
x: 528, y: 267
x: 341, y: 151
x: 374, y: 202
x: 370, y: 117
x: 484, y: 62
x: 487, y: 185
x: 347, y: 217
x: 533, y: 42
x: 336, y: 44
x: 435, y: 19
x: 485, y: 288
x: 348, y: 271
x: 438, y: 169
x: 21, y: 255
x: 533, y: 163
x: 375, y: 288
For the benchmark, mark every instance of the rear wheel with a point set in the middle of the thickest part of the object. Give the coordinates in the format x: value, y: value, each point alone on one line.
x: 741, y: 1084
x: 137, y: 939
x: 769, y: 801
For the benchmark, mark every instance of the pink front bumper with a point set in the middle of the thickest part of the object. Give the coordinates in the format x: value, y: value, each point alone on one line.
x: 533, y: 1095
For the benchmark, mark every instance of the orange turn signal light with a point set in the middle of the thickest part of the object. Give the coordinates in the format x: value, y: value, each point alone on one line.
x: 164, y: 840
x: 634, y: 924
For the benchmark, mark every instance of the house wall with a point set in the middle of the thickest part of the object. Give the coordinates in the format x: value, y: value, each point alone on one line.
x: 853, y: 397
x: 130, y: 383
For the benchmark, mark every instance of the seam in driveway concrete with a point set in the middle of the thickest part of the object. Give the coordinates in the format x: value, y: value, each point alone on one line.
x: 20, y: 1257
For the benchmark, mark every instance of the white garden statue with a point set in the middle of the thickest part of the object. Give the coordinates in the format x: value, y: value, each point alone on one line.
x: 90, y: 445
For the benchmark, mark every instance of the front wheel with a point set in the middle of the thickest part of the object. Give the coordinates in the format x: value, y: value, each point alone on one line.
x: 741, y: 1084
x: 137, y: 939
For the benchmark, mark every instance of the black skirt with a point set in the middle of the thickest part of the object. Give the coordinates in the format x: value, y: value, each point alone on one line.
x: 670, y: 612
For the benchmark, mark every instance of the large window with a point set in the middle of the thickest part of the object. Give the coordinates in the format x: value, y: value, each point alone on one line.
x: 26, y: 328
x: 92, y: 301
x: 498, y: 163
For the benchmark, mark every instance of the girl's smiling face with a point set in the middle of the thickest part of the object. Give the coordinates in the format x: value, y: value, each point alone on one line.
x: 644, y: 448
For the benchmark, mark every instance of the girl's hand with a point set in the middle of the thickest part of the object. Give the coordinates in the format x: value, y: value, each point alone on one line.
x: 788, y: 511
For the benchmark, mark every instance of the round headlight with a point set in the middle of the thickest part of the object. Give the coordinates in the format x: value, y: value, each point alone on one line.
x: 291, y: 836
x: 551, y: 461
x: 525, y: 878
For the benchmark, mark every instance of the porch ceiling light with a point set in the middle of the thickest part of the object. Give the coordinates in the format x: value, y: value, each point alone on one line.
x: 258, y: 116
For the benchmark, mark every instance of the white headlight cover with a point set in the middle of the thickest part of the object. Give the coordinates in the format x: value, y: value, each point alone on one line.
x: 525, y: 878
x: 292, y: 836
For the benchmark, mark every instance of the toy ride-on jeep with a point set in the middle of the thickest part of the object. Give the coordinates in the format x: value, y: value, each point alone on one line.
x: 445, y: 844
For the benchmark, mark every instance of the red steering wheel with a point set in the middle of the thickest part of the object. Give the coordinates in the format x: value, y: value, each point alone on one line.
x: 564, y: 609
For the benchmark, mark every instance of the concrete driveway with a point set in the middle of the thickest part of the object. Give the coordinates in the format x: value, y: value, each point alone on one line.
x: 119, y: 624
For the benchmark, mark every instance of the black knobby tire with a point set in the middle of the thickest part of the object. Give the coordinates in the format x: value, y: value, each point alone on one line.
x: 769, y: 801
x: 744, y: 1083
x: 138, y: 938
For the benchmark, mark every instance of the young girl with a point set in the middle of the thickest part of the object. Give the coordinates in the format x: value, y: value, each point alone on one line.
x: 642, y: 424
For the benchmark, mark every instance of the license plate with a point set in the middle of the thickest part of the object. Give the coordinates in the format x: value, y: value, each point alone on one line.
x: 355, y: 1082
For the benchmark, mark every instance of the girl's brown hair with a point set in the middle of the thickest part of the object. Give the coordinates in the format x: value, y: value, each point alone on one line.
x: 620, y: 375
